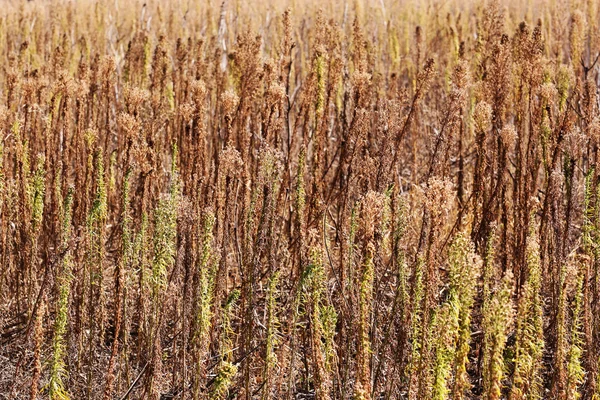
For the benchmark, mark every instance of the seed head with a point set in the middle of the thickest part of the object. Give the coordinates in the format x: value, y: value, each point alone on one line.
x: 439, y: 195
x: 509, y: 135
x: 594, y: 130
x: 549, y: 92
x: 483, y: 116
x: 230, y: 101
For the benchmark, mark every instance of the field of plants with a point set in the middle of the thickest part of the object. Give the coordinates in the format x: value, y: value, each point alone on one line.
x: 294, y: 199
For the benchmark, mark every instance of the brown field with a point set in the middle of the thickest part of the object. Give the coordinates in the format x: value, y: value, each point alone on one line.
x: 300, y: 200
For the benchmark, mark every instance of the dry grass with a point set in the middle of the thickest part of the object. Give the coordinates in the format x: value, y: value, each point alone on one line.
x: 325, y: 200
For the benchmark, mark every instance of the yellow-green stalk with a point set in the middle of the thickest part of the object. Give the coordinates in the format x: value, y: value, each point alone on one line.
x: 272, y: 340
x: 204, y: 314
x: 363, y: 386
x: 453, y: 320
x: 37, y: 193
x: 141, y: 257
x: 418, y: 294
x: 466, y: 268
x: 497, y: 318
x: 321, y: 317
x: 403, y: 270
x: 95, y: 249
x: 227, y: 369
x: 300, y: 203
x: 561, y: 352
x: 445, y: 326
x: 165, y: 248
x: 527, y: 379
x: 575, y: 371
x: 371, y: 229
x: 165, y: 233
x: 56, y: 386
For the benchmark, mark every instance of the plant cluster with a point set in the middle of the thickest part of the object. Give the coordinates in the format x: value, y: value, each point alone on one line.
x: 329, y: 200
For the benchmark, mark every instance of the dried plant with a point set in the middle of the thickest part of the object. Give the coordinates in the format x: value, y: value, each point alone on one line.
x: 371, y: 200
